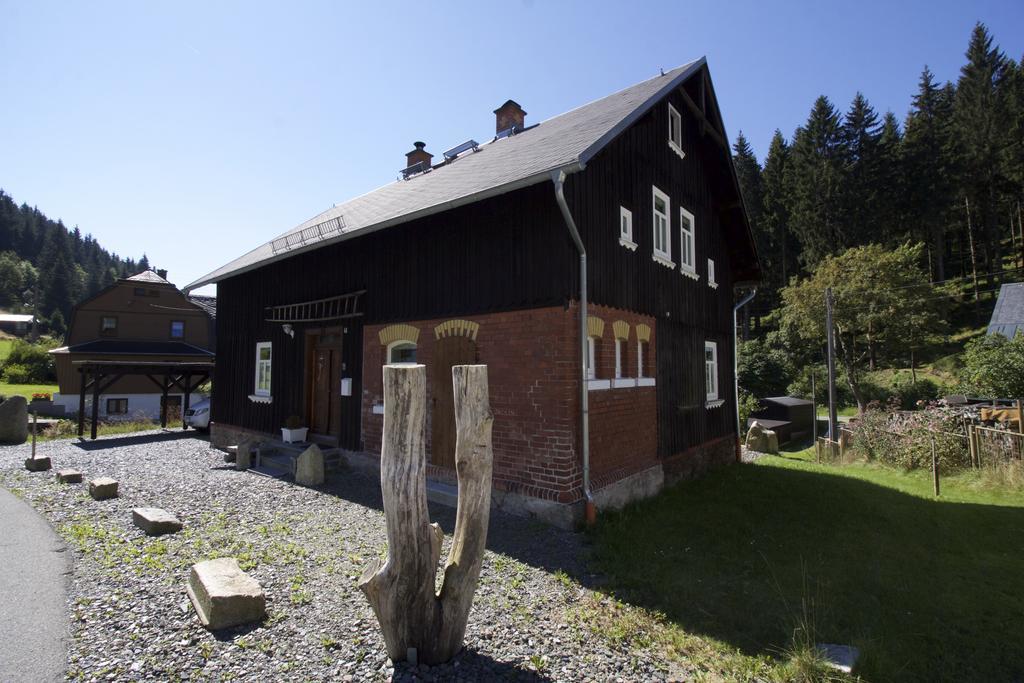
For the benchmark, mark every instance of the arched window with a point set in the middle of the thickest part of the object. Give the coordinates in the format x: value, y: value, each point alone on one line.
x: 402, y: 351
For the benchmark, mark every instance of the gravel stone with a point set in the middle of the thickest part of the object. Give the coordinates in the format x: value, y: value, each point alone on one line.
x: 131, y: 619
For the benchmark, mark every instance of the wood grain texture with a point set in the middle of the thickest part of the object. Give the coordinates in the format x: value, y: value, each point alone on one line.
x: 401, y: 590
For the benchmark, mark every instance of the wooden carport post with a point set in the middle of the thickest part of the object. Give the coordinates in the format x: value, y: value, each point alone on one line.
x: 95, y: 401
x: 184, y: 401
x: 163, y: 404
x: 83, y: 375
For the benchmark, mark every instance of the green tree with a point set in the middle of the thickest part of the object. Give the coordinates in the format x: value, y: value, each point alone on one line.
x: 860, y: 216
x: 817, y: 176
x: 994, y: 367
x: 882, y: 298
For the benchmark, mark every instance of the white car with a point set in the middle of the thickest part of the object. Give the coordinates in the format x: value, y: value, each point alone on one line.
x: 198, y: 415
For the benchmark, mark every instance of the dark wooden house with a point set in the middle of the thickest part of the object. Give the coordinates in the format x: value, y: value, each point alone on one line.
x: 601, y: 393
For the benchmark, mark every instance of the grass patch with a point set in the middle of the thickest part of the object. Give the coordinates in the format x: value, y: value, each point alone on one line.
x: 68, y: 429
x: 25, y: 390
x: 754, y: 562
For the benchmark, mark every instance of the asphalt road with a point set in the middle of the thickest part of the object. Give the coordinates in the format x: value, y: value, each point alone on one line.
x: 34, y: 568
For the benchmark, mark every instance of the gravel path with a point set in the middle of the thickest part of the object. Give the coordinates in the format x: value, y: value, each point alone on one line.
x: 131, y: 619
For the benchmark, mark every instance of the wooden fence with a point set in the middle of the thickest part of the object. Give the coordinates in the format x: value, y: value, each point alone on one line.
x: 994, y: 446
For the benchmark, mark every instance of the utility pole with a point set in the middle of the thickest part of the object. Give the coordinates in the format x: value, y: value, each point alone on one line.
x: 35, y: 311
x: 814, y: 402
x: 974, y: 261
x: 830, y: 336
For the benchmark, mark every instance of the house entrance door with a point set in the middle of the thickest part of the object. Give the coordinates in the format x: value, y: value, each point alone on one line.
x: 323, y: 372
x: 448, y: 351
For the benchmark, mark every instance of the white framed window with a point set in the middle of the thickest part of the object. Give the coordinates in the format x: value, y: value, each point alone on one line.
x: 402, y: 351
x: 626, y: 228
x: 660, y: 225
x: 712, y: 283
x: 687, y: 244
x: 263, y: 367
x: 675, y: 132
x: 711, y: 370
x: 177, y: 329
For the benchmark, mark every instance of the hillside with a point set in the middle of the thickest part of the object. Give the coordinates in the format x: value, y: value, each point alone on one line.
x: 41, y: 257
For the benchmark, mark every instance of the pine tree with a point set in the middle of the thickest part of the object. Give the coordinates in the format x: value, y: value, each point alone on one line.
x: 928, y: 164
x: 860, y: 218
x: 980, y: 113
x: 817, y: 178
x: 748, y: 173
x: 783, y: 251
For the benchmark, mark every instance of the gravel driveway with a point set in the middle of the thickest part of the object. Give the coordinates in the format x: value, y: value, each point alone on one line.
x: 131, y: 619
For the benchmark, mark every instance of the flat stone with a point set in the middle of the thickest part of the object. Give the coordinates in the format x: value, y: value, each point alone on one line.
x: 225, y: 596
x: 37, y: 464
x: 841, y: 657
x: 309, y: 468
x: 102, y: 488
x: 69, y: 476
x: 230, y: 454
x: 155, y: 521
x: 243, y: 457
x: 14, y: 420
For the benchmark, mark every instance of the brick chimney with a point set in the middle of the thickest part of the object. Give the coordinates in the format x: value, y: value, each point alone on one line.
x: 509, y: 115
x: 417, y: 155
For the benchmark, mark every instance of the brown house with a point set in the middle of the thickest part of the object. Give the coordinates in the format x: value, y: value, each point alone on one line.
x: 141, y: 319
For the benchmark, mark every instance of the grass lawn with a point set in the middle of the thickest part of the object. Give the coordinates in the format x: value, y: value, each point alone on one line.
x: 927, y: 589
x: 27, y: 390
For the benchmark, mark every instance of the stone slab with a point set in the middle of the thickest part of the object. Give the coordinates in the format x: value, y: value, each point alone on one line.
x: 841, y: 657
x: 37, y: 464
x: 225, y: 596
x: 103, y: 488
x: 309, y: 467
x: 69, y: 476
x: 14, y: 420
x: 155, y: 521
x: 243, y: 457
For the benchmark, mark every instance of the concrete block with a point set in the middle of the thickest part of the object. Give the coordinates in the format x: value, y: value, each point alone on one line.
x: 103, y: 488
x: 37, y: 464
x: 309, y: 468
x: 224, y: 595
x: 155, y: 521
x: 69, y: 476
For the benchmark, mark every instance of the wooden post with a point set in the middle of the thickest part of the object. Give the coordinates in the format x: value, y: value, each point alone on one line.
x: 415, y: 620
x: 184, y: 401
x: 1020, y: 418
x: 163, y: 404
x: 81, y: 401
x: 935, y: 467
x: 35, y: 430
x: 970, y: 445
x: 95, y: 402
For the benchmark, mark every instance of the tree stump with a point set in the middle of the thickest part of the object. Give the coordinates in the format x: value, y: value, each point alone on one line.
x: 412, y: 615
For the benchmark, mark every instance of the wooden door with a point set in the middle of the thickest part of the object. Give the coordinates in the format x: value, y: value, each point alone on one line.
x: 324, y: 378
x: 448, y: 351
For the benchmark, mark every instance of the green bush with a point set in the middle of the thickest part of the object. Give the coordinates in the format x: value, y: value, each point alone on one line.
x: 16, y: 373
x: 748, y: 404
x: 801, y: 386
x: 994, y: 367
x: 32, y: 363
x: 904, y: 439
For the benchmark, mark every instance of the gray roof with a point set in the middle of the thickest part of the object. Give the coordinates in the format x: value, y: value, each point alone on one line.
x: 1008, y: 316
x: 567, y: 141
x: 148, y: 276
x: 207, y: 303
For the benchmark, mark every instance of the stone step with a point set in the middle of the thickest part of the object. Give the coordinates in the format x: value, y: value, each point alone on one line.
x: 442, y: 493
x: 225, y: 596
x: 155, y: 521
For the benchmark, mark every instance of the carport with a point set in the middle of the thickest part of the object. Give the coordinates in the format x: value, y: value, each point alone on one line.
x: 99, y: 375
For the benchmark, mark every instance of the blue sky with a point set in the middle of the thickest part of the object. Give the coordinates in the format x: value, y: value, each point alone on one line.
x: 196, y: 131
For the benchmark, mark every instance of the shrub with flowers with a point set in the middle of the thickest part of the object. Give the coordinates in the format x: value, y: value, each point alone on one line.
x: 904, y: 439
x: 43, y: 396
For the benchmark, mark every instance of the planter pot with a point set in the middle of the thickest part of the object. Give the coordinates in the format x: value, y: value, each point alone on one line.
x: 294, y: 435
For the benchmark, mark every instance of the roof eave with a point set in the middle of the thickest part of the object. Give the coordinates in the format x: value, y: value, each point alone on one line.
x: 571, y: 167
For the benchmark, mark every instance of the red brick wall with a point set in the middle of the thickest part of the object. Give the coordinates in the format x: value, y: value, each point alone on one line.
x: 532, y: 369
x: 623, y: 421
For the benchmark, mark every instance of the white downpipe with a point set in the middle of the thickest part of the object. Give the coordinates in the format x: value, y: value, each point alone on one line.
x: 558, y: 178
x: 736, y: 359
